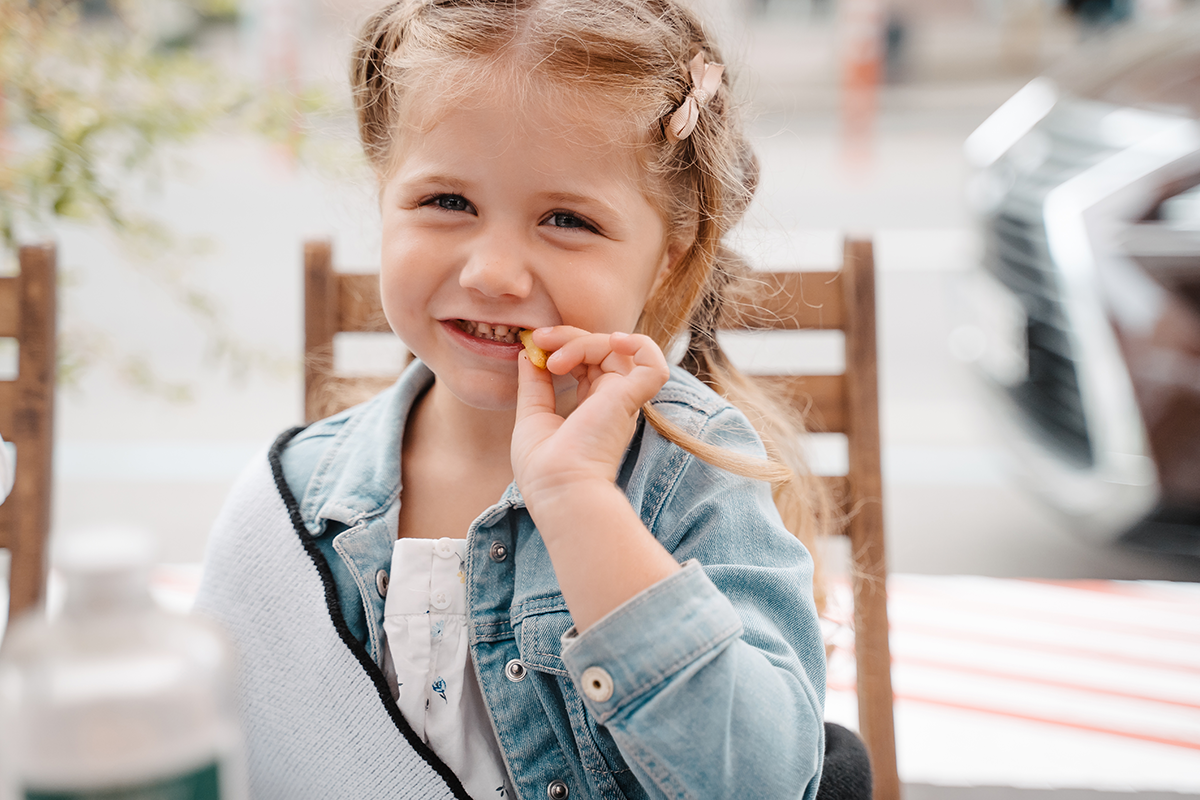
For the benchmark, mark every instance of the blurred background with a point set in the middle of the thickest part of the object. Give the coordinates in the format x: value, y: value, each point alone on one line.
x: 181, y: 173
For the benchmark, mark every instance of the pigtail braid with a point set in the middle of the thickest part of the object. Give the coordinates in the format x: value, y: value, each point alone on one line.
x: 804, y: 501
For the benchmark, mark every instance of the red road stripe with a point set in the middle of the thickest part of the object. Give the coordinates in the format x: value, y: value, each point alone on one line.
x: 999, y: 712
x: 1120, y: 590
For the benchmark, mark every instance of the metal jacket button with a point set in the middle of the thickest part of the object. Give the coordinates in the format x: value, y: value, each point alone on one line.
x: 597, y: 684
x: 515, y: 670
x: 557, y: 790
x: 498, y: 552
x: 381, y: 582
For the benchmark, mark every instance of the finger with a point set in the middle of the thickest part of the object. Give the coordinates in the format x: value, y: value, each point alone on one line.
x: 590, y: 348
x: 555, y: 336
x: 551, y: 339
x: 641, y: 347
x: 535, y: 389
x: 648, y: 369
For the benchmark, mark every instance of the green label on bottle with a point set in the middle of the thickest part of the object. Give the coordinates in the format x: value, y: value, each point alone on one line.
x: 203, y: 784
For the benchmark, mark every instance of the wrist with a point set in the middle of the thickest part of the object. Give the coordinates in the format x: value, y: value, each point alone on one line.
x: 560, y: 505
x: 603, y: 554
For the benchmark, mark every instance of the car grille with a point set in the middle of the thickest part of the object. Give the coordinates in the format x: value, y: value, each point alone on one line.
x: 1017, y: 253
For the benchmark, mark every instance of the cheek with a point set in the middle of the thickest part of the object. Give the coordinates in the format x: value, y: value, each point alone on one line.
x: 403, y: 284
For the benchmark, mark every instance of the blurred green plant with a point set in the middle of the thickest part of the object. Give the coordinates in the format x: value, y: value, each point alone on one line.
x: 91, y: 105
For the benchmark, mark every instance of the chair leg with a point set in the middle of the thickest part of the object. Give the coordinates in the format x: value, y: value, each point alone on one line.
x: 872, y: 654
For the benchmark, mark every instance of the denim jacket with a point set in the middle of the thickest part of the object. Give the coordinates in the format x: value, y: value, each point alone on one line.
x: 711, y: 682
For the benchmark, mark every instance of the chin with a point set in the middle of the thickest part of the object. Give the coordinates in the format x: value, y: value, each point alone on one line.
x: 492, y: 392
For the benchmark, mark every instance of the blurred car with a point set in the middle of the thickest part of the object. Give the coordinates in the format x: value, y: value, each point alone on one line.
x: 1088, y: 194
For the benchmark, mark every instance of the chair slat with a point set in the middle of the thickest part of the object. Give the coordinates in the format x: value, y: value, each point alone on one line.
x: 334, y: 393
x: 839, y: 489
x: 10, y: 308
x: 822, y: 398
x: 320, y: 315
x: 787, y: 301
x: 359, y: 306
x: 8, y: 402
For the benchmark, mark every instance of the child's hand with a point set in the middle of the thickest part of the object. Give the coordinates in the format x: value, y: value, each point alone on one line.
x: 617, y: 373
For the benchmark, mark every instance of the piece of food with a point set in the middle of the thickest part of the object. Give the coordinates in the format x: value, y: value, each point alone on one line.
x: 536, y: 354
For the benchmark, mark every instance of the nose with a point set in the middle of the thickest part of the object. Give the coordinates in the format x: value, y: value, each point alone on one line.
x: 497, y: 266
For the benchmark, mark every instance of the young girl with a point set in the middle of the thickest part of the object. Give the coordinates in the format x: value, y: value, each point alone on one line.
x: 497, y: 580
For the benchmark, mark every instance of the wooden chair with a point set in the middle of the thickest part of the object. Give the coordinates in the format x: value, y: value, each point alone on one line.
x: 336, y: 302
x: 27, y: 313
x: 848, y: 403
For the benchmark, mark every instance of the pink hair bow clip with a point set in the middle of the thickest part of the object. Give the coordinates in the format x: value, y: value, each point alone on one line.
x: 706, y: 79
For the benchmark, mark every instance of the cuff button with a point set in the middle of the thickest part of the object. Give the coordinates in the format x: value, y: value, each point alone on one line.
x: 597, y: 684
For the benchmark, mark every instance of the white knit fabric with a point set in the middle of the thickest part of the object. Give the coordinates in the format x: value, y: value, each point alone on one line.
x: 315, y: 723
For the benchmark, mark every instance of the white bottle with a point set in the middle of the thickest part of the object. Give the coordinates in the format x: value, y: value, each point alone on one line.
x: 113, y: 697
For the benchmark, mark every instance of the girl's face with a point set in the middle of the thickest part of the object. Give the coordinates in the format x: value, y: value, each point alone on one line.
x: 502, y: 216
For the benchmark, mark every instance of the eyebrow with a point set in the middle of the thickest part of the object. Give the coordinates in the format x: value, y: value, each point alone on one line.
x: 571, y: 199
x: 435, y: 178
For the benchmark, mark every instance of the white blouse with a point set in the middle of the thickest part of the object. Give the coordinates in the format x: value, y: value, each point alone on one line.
x: 428, y: 663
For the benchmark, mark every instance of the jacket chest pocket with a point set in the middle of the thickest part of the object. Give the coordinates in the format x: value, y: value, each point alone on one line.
x: 539, y: 640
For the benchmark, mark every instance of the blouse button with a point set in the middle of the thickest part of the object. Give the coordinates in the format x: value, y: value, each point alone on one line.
x: 597, y: 684
x: 557, y: 790
x: 381, y: 582
x: 444, y: 547
x: 515, y: 670
x: 498, y: 552
x: 439, y: 600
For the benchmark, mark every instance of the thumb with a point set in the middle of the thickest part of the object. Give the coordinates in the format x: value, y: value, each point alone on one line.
x: 535, y: 389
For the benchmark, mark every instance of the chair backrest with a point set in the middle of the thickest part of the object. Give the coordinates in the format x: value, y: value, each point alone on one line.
x: 848, y: 403
x: 336, y: 302
x: 27, y: 314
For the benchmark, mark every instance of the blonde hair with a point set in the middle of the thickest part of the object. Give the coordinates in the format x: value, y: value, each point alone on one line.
x: 631, y: 55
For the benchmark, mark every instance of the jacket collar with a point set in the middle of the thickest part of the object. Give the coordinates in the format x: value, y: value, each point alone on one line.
x: 358, y: 476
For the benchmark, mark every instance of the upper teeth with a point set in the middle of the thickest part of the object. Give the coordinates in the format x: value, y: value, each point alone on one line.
x: 486, y: 330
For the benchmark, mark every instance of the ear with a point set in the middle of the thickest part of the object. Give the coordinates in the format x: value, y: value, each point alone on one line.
x: 670, y: 260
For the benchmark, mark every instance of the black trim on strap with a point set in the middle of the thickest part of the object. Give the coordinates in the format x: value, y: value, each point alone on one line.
x: 339, y: 623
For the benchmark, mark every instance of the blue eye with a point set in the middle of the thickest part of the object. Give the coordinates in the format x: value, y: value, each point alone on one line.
x: 452, y: 202
x: 565, y: 219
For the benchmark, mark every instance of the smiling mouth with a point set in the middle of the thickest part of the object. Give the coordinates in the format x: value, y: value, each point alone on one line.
x: 506, y: 334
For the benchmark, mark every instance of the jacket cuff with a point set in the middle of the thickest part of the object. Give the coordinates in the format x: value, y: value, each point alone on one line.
x: 673, y: 627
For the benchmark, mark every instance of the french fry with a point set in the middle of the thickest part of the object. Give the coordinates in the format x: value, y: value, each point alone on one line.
x: 536, y: 354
